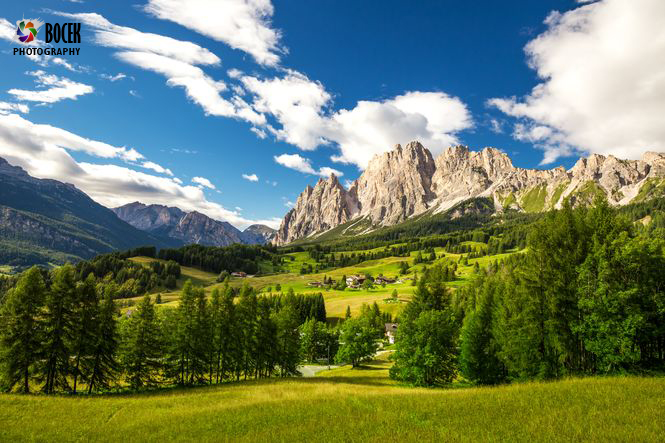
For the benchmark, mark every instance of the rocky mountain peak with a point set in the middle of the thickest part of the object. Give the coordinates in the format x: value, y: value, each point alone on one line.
x: 187, y: 227
x: 396, y: 184
x: 407, y: 181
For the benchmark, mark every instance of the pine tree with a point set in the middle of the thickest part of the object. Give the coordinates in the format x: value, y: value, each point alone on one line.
x: 311, y: 333
x: 287, y: 341
x: 247, y: 310
x: 227, y: 335
x: 142, y: 346
x: 202, y: 340
x: 266, y: 345
x: 20, y: 336
x: 57, y: 324
x: 85, y: 312
x: 479, y: 361
x: 101, y: 366
x: 347, y: 315
x: 189, y: 347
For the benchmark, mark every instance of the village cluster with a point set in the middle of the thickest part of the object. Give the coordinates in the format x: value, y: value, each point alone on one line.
x: 356, y: 281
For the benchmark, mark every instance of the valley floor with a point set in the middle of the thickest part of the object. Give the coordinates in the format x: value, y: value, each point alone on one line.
x: 350, y: 405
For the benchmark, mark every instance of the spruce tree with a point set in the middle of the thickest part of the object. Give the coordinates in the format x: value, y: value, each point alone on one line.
x: 247, y: 325
x: 479, y: 361
x: 142, y: 346
x: 20, y: 335
x: 58, y: 324
x: 85, y: 312
x: 266, y: 345
x: 311, y: 337
x: 287, y: 341
x: 100, y: 367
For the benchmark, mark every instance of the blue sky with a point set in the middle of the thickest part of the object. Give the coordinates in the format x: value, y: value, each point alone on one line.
x: 164, y: 91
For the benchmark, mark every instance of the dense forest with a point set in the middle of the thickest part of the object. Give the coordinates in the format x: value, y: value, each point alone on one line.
x: 233, y: 258
x: 588, y: 297
x: 64, y: 335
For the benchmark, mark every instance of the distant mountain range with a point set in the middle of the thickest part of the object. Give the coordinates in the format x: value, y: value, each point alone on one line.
x: 408, y: 182
x: 47, y: 221
x: 190, y: 227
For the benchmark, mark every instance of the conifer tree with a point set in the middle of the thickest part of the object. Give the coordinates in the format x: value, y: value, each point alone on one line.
x: 142, y: 346
x: 427, y: 334
x: 266, y: 345
x: 311, y: 333
x: 85, y: 312
x: 287, y: 341
x: 57, y: 323
x: 101, y: 366
x: 479, y: 361
x: 20, y: 336
x: 247, y: 310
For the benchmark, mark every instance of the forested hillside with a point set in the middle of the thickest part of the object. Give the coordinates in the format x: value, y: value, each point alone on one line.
x: 49, y: 222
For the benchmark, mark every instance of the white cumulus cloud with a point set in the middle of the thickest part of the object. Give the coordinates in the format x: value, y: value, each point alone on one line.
x: 176, y: 60
x: 251, y: 177
x: 203, y: 182
x: 157, y: 168
x: 602, y: 90
x: 304, y: 165
x: 241, y: 24
x: 55, y: 89
x: 6, y: 108
x: 42, y: 150
x: 300, y: 108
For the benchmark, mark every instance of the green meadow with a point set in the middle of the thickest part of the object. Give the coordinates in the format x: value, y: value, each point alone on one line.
x: 337, y: 301
x: 347, y: 404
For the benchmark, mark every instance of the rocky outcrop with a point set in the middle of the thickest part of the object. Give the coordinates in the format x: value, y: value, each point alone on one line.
x: 187, y: 227
x: 396, y: 185
x: 318, y: 209
x: 408, y: 181
x: 258, y: 234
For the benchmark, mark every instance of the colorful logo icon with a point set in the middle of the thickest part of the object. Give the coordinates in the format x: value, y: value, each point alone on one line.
x: 27, y: 30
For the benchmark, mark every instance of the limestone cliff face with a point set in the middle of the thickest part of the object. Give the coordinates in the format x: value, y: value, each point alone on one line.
x: 396, y: 185
x: 407, y: 181
x: 317, y: 209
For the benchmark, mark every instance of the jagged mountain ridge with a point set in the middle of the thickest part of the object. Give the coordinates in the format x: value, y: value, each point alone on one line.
x: 45, y: 221
x: 408, y: 181
x: 190, y: 227
x: 259, y: 234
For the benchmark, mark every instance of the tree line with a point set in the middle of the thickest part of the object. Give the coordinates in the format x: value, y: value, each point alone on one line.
x: 61, y: 333
x: 233, y: 258
x: 588, y: 297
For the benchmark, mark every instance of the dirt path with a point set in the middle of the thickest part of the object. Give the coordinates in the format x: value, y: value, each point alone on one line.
x: 312, y: 370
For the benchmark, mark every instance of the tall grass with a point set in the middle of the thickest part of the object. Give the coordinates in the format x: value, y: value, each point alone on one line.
x: 350, y: 405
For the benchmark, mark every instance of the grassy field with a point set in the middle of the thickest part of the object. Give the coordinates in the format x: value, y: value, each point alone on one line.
x: 337, y: 301
x: 350, y: 405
